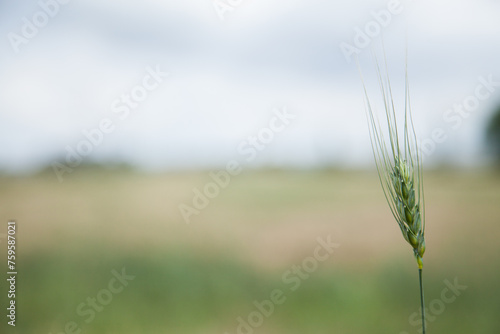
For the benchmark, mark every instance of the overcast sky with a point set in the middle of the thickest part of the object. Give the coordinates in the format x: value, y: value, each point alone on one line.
x: 65, y: 69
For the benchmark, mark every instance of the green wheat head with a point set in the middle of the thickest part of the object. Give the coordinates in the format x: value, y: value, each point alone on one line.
x: 399, y: 165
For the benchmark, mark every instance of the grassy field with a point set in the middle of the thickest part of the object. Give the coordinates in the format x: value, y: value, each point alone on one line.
x: 253, y: 242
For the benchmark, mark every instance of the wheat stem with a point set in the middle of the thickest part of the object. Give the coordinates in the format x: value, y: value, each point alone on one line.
x: 422, y: 298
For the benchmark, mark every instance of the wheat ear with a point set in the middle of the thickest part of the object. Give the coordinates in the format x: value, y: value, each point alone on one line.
x: 399, y: 168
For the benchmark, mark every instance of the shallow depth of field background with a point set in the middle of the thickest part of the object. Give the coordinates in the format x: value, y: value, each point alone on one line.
x: 118, y: 209
x: 200, y: 278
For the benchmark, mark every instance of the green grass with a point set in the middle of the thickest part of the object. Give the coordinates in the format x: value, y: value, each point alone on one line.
x: 186, y: 293
x: 200, y: 278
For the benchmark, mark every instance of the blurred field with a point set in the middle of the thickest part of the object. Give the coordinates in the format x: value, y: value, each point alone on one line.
x: 199, y: 278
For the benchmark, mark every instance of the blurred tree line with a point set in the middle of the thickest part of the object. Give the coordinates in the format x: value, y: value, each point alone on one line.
x: 493, y: 135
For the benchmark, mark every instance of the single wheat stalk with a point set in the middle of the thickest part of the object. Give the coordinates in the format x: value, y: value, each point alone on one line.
x: 399, y: 167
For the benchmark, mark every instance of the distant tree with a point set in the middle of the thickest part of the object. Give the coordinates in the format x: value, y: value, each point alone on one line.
x: 493, y: 135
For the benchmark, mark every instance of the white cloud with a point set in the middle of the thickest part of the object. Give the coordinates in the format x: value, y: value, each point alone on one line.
x: 227, y: 76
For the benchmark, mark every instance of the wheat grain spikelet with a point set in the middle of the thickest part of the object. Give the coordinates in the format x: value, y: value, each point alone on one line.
x: 399, y: 164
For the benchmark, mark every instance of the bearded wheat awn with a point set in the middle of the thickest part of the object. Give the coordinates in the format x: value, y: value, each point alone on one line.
x: 399, y: 168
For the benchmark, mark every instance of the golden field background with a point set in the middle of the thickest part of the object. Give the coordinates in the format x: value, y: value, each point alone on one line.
x: 200, y: 277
